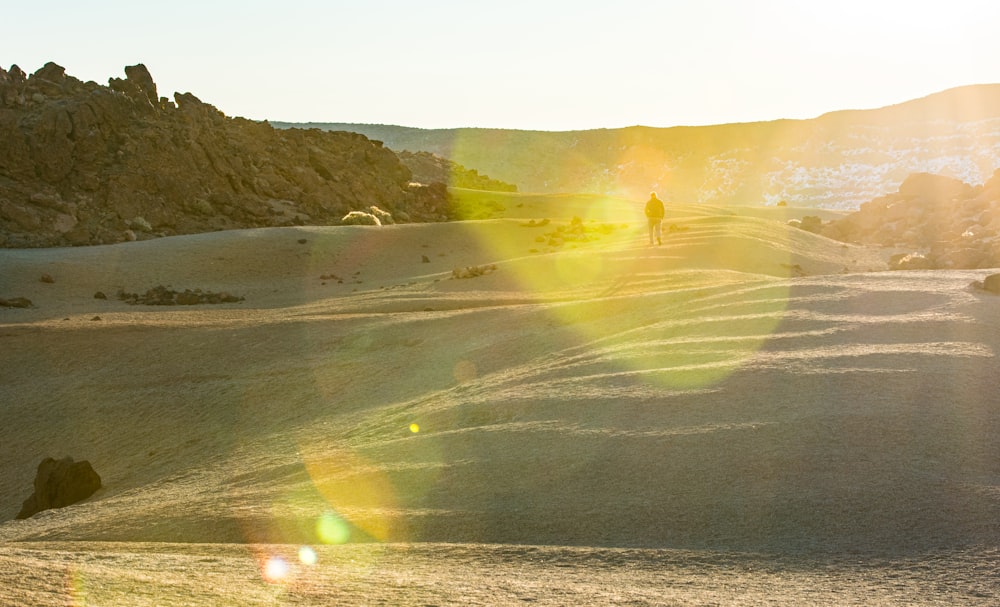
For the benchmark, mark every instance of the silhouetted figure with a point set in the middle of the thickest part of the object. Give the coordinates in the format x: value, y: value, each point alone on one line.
x: 654, y: 213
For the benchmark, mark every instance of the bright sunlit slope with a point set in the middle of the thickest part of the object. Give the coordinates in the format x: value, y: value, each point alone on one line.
x: 541, y: 377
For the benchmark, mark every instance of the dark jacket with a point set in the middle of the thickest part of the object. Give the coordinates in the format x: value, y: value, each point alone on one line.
x: 654, y: 208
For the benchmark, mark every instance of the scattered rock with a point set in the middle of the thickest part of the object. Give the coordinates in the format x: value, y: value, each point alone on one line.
x: 47, y: 278
x: 60, y: 483
x: 473, y: 271
x: 100, y: 295
x: 536, y: 224
x: 425, y: 259
x: 794, y: 269
x: 162, y: 296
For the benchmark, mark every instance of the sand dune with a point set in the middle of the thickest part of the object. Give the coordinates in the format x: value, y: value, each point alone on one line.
x: 746, y: 387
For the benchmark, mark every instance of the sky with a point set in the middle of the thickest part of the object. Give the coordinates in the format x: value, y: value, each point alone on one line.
x: 551, y: 65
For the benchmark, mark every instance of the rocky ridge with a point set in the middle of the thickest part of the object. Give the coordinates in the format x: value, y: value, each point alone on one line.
x: 84, y: 164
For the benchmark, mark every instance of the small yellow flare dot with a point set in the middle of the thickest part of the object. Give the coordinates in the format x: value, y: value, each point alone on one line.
x: 414, y: 428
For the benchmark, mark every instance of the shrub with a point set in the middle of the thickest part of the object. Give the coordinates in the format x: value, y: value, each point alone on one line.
x: 360, y: 218
x: 473, y: 271
x: 383, y: 216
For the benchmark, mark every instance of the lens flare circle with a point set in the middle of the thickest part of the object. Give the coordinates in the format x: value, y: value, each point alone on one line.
x: 307, y: 556
x: 331, y: 529
x: 276, y: 570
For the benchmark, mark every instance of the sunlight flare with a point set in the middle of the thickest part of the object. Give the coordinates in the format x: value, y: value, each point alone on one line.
x: 358, y: 490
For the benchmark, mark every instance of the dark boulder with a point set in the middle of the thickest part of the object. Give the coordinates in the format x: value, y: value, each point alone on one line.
x: 992, y: 283
x: 15, y: 302
x: 60, y: 483
x: 935, y: 187
x: 812, y: 223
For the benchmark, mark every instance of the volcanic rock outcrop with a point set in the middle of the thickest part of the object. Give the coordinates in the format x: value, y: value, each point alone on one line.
x: 941, y: 222
x: 82, y: 164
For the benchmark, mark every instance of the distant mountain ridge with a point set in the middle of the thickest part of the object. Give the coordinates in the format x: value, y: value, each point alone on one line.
x: 838, y: 160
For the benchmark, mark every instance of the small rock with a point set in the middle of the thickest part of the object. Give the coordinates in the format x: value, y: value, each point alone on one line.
x: 47, y: 278
x: 100, y: 295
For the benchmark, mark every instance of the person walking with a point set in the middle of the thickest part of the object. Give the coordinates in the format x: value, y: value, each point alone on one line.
x: 654, y: 214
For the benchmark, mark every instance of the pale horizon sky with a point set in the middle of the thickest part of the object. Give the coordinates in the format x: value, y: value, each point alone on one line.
x: 546, y: 65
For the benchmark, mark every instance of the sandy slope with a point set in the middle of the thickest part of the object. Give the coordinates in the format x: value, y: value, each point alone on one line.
x: 745, y: 387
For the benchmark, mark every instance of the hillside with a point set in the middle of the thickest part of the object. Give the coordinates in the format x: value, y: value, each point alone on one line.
x: 82, y: 164
x: 838, y: 160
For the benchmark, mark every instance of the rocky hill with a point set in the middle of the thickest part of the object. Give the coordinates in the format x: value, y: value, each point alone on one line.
x: 838, y: 160
x: 82, y: 163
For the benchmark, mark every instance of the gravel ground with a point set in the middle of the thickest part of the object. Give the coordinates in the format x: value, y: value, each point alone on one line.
x: 106, y: 574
